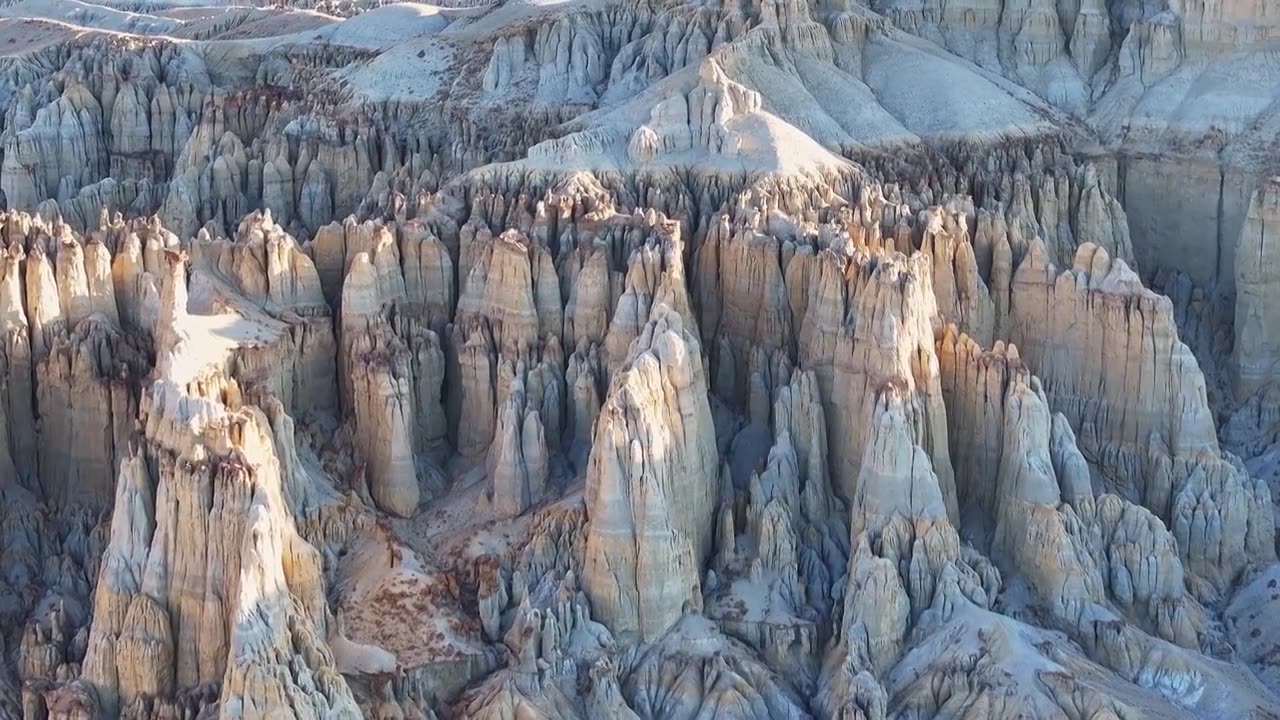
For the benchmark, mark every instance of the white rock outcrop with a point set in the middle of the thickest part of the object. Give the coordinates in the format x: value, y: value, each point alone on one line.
x: 651, y: 484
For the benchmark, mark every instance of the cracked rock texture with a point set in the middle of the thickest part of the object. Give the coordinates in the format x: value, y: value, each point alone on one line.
x: 854, y: 359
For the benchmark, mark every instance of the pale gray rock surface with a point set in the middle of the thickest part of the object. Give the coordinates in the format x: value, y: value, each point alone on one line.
x: 614, y: 359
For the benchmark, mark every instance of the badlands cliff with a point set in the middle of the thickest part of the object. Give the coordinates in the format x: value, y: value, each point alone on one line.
x: 593, y: 359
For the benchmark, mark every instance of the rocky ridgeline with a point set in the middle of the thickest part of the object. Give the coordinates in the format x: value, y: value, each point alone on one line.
x: 267, y: 401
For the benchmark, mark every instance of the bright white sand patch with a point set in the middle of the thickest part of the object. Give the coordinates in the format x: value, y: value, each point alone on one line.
x: 386, y: 26
x: 413, y: 70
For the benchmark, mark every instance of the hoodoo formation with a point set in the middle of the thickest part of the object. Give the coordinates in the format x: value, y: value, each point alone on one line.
x: 639, y: 359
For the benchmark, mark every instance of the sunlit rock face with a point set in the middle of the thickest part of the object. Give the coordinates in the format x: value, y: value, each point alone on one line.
x: 855, y: 360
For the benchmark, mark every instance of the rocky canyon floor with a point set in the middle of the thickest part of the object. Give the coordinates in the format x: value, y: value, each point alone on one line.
x: 648, y: 359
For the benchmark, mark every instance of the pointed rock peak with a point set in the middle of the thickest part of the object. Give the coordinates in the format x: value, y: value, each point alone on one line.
x: 1122, y: 280
x: 897, y: 478
x: 652, y: 484
x: 1037, y: 257
x: 710, y: 72
x: 1026, y: 476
